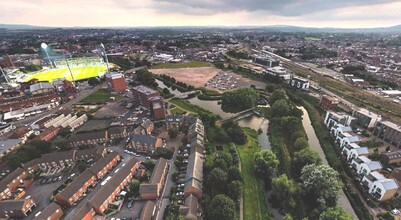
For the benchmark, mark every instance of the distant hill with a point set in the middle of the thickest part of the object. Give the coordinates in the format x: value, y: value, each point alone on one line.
x: 277, y: 28
x: 285, y: 28
x: 21, y: 27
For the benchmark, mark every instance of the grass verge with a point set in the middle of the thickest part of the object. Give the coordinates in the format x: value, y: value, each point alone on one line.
x: 255, y: 204
x: 99, y: 97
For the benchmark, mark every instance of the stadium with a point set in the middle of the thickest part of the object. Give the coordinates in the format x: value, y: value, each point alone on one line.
x: 81, y: 68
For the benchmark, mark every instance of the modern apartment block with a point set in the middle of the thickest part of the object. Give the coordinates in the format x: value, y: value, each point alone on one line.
x: 389, y: 132
x: 366, y: 118
x: 116, y: 82
x: 151, y: 100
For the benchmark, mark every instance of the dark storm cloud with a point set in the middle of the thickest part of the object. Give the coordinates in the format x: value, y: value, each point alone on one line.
x: 275, y: 7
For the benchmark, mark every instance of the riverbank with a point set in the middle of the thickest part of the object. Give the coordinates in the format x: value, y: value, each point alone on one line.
x: 328, y: 147
x: 315, y: 145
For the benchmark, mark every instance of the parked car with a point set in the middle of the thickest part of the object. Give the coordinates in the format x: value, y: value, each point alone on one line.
x: 180, y: 202
x: 395, y: 212
x: 179, y: 193
x: 130, y: 203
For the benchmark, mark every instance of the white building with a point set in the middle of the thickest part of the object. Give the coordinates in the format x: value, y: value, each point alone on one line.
x: 368, y: 180
x: 384, y: 189
x: 333, y: 118
x: 366, y: 118
x: 299, y: 83
x: 356, y: 152
x: 278, y: 71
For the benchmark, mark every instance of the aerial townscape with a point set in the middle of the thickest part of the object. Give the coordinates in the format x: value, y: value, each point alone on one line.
x: 199, y: 116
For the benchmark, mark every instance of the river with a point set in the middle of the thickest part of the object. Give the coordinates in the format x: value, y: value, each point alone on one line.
x: 315, y: 145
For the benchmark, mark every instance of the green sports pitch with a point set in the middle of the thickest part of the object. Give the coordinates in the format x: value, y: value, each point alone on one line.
x: 79, y: 73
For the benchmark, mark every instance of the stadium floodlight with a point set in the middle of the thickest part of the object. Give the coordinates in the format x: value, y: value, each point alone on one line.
x: 105, y: 56
x: 4, y: 75
x: 44, y: 47
x: 72, y: 76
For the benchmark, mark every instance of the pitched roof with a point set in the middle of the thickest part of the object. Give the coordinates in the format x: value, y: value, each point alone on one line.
x: 58, y: 156
x: 144, y: 139
x: 12, y: 205
x: 147, y: 123
x: 9, y: 178
x: 76, y: 185
x: 389, y: 184
x: 375, y: 165
x: 82, y: 211
x: 192, y: 203
x: 362, y: 150
x: 195, y: 167
x: 148, y: 210
x: 147, y: 188
x: 98, y: 166
x: 116, y: 130
x: 87, y: 136
x: 396, y: 174
x: 161, y: 165
x: 98, y: 199
x: 48, y: 211
x: 393, y: 155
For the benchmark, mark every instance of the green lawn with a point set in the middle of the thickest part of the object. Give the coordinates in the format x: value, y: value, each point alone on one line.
x: 255, y: 204
x: 177, y: 111
x: 183, y: 104
x: 99, y: 97
x: 191, y: 64
x: 79, y: 73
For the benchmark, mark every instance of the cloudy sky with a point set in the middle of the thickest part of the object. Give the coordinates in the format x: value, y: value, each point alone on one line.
x: 312, y: 13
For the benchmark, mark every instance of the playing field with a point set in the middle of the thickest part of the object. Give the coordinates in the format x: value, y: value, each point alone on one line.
x: 192, y: 76
x: 78, y: 73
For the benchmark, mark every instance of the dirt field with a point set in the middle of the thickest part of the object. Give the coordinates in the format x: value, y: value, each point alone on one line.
x: 192, y: 76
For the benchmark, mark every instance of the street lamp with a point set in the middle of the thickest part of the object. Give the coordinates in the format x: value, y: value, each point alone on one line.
x: 44, y: 47
x: 105, y: 55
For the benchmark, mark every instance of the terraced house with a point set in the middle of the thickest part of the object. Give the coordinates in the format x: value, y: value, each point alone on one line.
x: 107, y: 194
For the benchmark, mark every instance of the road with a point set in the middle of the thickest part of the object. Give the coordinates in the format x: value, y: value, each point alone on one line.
x: 165, y: 197
x: 81, y: 95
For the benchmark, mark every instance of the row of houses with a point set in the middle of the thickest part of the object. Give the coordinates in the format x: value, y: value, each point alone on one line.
x: 87, y: 179
x: 92, y: 139
x: 153, y: 189
x: 18, y: 208
x: 193, y: 188
x: 47, y: 163
x: 367, y: 171
x: 109, y: 192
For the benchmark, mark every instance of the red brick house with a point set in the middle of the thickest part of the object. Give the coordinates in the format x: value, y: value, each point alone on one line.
x: 49, y: 133
x: 84, y: 212
x: 11, y: 182
x: 88, y: 139
x: 145, y: 143
x: 100, y: 201
x: 153, y: 189
x: 100, y: 168
x: 19, y: 208
x: 51, y: 212
x: 74, y: 192
x: 117, y: 132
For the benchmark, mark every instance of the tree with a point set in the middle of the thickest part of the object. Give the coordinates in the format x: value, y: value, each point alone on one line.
x: 280, y: 108
x: 300, y: 144
x: 266, y: 163
x: 320, y: 183
x: 283, y: 190
x: 240, y: 99
x: 221, y: 208
x: 82, y: 166
x: 305, y: 157
x: 166, y: 91
x: 42, y: 146
x: 134, y: 187
x: 278, y: 94
x: 218, y: 178
x: 163, y: 152
x: 335, y: 213
x: 234, y: 174
x: 172, y: 133
x: 234, y: 190
x: 146, y: 78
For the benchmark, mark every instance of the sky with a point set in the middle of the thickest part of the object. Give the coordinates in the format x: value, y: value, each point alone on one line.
x: 133, y: 13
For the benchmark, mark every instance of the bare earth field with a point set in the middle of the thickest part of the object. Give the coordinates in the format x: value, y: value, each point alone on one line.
x: 192, y: 76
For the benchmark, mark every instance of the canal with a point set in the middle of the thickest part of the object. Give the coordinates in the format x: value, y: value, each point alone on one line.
x: 315, y: 145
